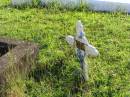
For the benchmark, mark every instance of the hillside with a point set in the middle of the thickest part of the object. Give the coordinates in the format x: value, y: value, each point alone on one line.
x: 53, y: 74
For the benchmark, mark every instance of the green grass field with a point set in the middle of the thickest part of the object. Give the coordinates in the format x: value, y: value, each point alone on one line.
x: 53, y: 76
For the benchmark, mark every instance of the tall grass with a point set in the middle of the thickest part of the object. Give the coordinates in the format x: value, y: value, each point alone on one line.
x: 56, y: 63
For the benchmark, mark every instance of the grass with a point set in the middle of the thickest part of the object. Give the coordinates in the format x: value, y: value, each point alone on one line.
x: 53, y: 76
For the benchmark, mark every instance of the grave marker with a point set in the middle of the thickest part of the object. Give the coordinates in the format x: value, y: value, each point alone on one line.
x: 18, y: 55
x: 96, y: 5
x: 110, y: 5
x: 82, y: 47
x: 21, y: 2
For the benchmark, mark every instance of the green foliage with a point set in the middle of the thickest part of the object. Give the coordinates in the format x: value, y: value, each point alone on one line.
x: 54, y: 73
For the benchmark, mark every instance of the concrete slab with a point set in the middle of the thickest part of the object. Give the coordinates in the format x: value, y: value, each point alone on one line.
x: 21, y: 2
x: 110, y: 5
x: 97, y: 5
x: 15, y: 55
x: 66, y: 3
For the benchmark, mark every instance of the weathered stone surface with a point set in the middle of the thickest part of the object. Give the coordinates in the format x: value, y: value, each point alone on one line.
x: 110, y: 5
x: 97, y: 5
x: 18, y: 55
x: 21, y: 2
x: 66, y: 3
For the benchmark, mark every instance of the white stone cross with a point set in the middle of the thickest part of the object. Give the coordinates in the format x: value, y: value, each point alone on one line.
x: 83, y: 47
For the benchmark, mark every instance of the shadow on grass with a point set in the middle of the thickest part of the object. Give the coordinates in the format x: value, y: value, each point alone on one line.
x: 5, y: 6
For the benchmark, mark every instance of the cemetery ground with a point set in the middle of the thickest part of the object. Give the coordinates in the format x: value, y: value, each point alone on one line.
x: 52, y: 76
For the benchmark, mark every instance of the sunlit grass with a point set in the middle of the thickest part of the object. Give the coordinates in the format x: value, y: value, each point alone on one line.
x: 109, y: 32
